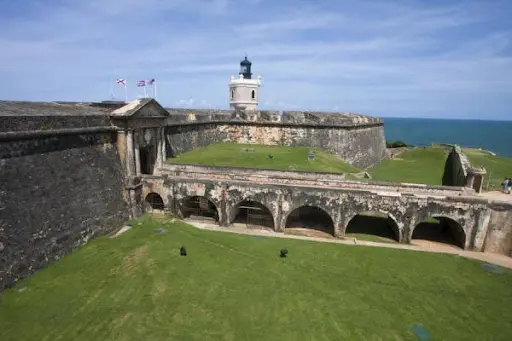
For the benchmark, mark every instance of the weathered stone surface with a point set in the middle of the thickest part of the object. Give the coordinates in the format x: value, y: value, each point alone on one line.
x: 458, y: 171
x: 56, y: 193
x: 360, y: 146
x: 480, y: 220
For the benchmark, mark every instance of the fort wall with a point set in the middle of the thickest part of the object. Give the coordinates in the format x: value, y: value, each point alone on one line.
x: 499, y: 234
x: 358, y: 140
x: 59, y: 187
x: 458, y: 171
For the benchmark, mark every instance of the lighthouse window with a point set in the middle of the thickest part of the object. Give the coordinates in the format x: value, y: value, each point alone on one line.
x: 252, y: 94
x: 232, y: 94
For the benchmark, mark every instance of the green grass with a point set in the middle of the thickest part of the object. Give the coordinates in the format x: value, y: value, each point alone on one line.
x: 420, y: 165
x: 426, y: 166
x: 284, y: 158
x: 235, y: 287
x: 498, y: 167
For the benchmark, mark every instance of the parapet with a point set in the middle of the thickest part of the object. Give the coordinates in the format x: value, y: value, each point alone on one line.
x: 26, y: 116
x: 338, y: 119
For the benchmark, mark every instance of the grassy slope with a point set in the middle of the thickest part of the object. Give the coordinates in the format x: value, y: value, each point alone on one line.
x: 427, y: 166
x: 234, y: 287
x: 285, y: 158
x: 498, y: 167
x: 416, y: 166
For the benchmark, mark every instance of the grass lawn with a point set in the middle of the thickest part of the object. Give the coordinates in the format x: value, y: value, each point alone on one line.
x: 420, y: 165
x: 498, y: 167
x: 284, y: 158
x: 235, y: 287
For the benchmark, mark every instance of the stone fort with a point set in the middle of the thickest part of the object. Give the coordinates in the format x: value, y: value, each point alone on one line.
x: 70, y: 172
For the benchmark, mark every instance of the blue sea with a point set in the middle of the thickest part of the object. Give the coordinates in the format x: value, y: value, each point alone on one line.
x: 495, y: 136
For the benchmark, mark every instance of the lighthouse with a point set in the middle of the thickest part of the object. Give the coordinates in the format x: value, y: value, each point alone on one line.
x: 244, y: 91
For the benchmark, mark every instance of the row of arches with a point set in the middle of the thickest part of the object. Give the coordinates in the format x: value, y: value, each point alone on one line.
x: 314, y: 221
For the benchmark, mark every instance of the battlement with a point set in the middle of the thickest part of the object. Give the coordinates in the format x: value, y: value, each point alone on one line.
x: 273, y: 117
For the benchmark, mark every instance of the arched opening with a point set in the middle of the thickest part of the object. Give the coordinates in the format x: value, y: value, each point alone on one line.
x: 253, y: 94
x: 373, y: 226
x: 232, y: 94
x: 310, y: 221
x: 147, y: 157
x: 252, y: 214
x: 439, y: 231
x: 199, y: 208
x: 154, y: 203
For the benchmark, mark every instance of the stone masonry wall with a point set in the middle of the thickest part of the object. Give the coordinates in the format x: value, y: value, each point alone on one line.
x: 499, y: 235
x: 56, y: 193
x: 475, y: 216
x: 456, y: 168
x: 360, y: 146
x: 183, y: 138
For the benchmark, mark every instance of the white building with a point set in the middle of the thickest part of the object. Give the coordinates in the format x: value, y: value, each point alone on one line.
x: 244, y: 91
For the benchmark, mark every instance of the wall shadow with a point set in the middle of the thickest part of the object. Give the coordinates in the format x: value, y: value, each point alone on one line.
x: 440, y: 230
x: 310, y: 218
x: 376, y: 224
x: 199, y: 208
x: 254, y: 215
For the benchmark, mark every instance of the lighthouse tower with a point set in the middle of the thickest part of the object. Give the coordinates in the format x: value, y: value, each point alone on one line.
x: 244, y: 91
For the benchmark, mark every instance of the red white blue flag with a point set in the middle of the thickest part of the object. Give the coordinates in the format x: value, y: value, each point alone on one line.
x: 121, y: 81
x: 141, y: 83
x: 151, y: 81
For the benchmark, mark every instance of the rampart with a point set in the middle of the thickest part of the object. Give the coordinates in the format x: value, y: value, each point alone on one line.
x: 357, y: 139
x: 61, y: 183
x: 459, y: 172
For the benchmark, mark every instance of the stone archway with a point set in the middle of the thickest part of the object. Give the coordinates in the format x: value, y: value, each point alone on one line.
x: 154, y: 202
x: 374, y: 226
x: 440, y: 231
x: 253, y: 214
x: 311, y: 221
x: 199, y: 208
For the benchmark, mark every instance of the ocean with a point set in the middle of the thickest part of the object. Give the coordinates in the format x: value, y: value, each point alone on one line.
x: 495, y: 136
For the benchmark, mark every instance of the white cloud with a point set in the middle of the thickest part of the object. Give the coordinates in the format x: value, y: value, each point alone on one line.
x: 382, y: 57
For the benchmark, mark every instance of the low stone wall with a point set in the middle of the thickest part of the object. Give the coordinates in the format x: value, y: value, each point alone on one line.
x: 456, y: 168
x: 458, y: 171
x: 331, y: 180
x: 58, y: 189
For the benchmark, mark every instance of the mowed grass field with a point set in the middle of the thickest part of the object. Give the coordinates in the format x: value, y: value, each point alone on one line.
x: 426, y: 166
x: 236, y: 287
x: 498, y: 167
x: 284, y: 158
x: 420, y: 165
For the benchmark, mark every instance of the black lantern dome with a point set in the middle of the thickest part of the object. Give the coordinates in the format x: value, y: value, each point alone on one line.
x: 245, y: 68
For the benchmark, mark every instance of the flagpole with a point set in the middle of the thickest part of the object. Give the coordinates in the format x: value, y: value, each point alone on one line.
x: 126, y: 91
x: 154, y: 89
x: 145, y: 94
x: 112, y: 91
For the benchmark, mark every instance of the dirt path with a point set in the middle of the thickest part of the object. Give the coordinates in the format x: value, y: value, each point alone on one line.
x: 497, y: 195
x: 493, y: 258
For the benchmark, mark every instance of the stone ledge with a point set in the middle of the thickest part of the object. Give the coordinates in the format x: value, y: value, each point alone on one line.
x: 32, y: 134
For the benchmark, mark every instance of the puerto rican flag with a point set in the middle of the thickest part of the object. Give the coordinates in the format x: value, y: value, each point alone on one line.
x: 121, y: 81
x: 141, y: 83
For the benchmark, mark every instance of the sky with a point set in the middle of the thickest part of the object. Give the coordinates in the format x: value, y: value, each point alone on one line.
x: 430, y: 58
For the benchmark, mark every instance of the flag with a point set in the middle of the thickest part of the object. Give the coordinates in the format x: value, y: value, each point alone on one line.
x: 141, y: 83
x: 151, y: 81
x: 120, y: 81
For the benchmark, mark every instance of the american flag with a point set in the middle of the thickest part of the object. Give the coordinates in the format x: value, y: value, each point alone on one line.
x: 121, y: 81
x: 141, y: 83
x: 151, y: 81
